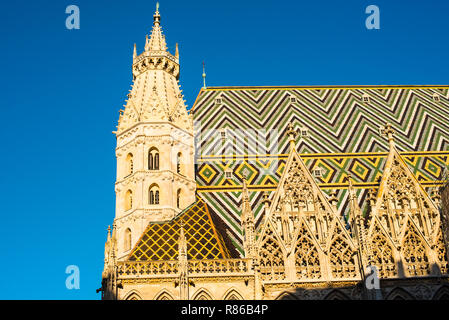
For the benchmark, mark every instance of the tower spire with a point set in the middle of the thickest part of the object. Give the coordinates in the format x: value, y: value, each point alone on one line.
x: 292, y: 136
x: 248, y: 225
x: 204, y: 76
x: 389, y: 132
x: 157, y: 16
x: 183, y: 267
x: 358, y: 228
x: 157, y: 39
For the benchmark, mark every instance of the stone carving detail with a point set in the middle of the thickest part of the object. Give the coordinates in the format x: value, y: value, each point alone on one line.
x: 414, y: 252
x: 307, y: 260
x: 341, y: 258
x: 441, y: 251
x: 271, y: 258
x: 303, y: 249
x: 382, y: 254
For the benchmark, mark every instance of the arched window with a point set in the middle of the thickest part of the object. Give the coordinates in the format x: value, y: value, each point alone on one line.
x: 153, y: 194
x: 178, y: 163
x: 128, y: 200
x: 153, y: 159
x: 129, y: 164
x: 178, y: 199
x: 128, y: 239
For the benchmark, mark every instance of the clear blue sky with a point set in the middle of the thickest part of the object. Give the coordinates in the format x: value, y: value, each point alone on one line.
x: 61, y: 91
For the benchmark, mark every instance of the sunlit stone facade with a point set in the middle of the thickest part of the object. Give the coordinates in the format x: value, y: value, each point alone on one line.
x: 205, y: 209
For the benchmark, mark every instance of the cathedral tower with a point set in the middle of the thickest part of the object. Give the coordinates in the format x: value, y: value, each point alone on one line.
x: 155, y: 144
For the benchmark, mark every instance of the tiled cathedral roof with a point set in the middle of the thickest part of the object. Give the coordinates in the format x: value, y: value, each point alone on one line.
x: 343, y: 137
x: 160, y: 240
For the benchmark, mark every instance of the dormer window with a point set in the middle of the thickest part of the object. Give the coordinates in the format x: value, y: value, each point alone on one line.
x: 218, y: 101
x: 366, y: 98
x: 228, y: 174
x: 317, y: 172
x: 304, y: 132
x: 436, y: 97
x: 223, y: 134
x: 292, y: 99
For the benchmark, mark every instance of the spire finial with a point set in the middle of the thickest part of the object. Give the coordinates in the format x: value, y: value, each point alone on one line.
x: 204, y: 76
x: 182, y: 237
x: 135, y: 52
x: 333, y: 198
x: 266, y: 199
x: 245, y: 189
x: 177, y: 51
x: 389, y: 132
x: 292, y: 136
x: 350, y: 185
x: 157, y: 17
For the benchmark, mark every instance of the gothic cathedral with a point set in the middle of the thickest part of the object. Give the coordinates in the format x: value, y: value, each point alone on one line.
x: 330, y: 192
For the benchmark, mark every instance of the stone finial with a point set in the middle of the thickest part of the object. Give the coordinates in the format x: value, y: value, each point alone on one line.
x: 291, y: 132
x: 333, y: 199
x: 245, y: 189
x: 182, y: 242
x: 389, y: 132
x: 204, y: 76
x: 435, y: 196
x: 372, y: 197
x: 350, y: 185
x: 266, y: 199
x: 157, y: 16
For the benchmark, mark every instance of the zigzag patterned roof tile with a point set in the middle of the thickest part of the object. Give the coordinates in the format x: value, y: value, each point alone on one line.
x: 342, y: 137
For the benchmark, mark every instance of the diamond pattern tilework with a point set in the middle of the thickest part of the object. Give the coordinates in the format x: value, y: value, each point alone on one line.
x: 160, y: 240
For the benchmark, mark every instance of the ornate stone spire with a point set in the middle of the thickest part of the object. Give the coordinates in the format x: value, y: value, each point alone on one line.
x: 183, y: 267
x: 358, y: 229
x: 248, y: 224
x: 156, y: 95
x: 389, y: 132
x: 157, y: 39
x: 204, y: 76
x: 292, y: 136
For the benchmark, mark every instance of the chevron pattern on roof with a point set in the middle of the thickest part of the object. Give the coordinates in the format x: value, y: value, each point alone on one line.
x: 342, y: 137
x: 160, y: 240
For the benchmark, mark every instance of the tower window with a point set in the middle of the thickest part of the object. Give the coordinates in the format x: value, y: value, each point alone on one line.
x: 293, y: 99
x: 153, y: 194
x: 128, y: 239
x: 218, y: 101
x: 153, y: 159
x: 178, y: 163
x: 128, y: 200
x: 129, y: 164
x: 228, y: 174
x: 178, y: 199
